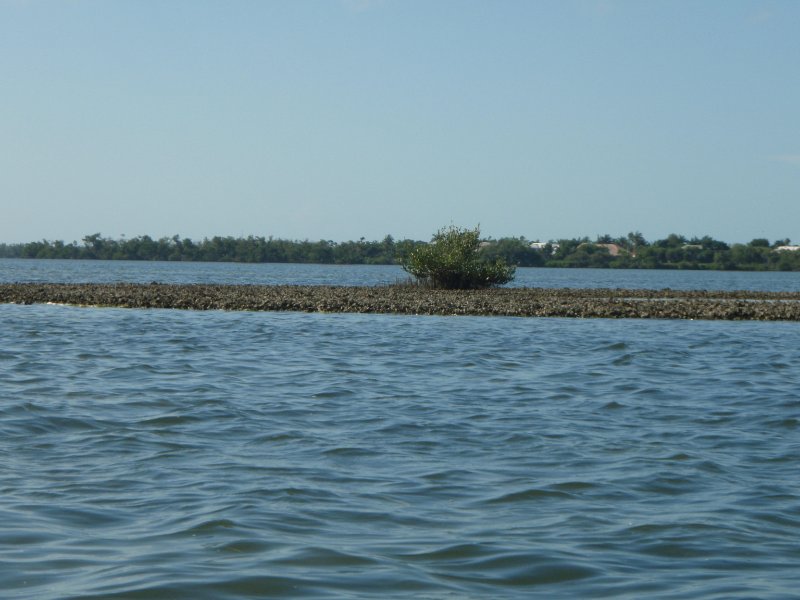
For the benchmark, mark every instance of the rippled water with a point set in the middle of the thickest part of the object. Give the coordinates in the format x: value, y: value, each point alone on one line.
x: 171, y: 454
x: 104, y: 271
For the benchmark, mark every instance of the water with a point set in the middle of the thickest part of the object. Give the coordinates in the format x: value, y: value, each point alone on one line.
x: 167, y: 454
x: 99, y: 271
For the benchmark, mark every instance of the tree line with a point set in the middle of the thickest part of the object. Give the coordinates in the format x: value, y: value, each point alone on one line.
x: 631, y: 251
x: 251, y: 249
x: 635, y: 252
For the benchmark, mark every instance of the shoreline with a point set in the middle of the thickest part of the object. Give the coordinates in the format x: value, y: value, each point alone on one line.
x: 411, y: 300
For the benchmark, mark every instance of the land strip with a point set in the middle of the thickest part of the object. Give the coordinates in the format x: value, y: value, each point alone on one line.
x: 406, y: 299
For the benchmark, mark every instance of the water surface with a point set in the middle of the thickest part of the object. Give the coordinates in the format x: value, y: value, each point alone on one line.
x: 177, y: 454
x: 101, y: 271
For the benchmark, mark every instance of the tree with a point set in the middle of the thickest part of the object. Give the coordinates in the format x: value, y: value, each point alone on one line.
x: 513, y: 251
x: 635, y: 241
x: 673, y: 240
x: 93, y: 244
x: 452, y: 261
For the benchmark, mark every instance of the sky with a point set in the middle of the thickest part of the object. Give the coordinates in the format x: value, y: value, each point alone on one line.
x: 347, y: 119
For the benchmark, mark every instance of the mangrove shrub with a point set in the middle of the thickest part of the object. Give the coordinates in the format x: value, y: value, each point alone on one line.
x: 452, y: 260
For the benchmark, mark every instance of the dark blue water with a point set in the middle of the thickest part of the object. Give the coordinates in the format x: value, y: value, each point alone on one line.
x: 174, y: 454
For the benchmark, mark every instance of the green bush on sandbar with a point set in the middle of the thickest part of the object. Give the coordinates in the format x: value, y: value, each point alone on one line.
x: 452, y: 261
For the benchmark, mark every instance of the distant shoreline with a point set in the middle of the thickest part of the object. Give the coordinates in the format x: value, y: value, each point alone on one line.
x: 412, y: 300
x: 625, y: 252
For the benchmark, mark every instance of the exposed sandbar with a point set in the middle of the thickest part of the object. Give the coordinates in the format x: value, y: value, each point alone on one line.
x: 403, y: 299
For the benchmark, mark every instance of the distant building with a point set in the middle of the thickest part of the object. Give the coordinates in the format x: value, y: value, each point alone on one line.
x: 613, y: 249
x: 541, y: 245
x: 787, y: 248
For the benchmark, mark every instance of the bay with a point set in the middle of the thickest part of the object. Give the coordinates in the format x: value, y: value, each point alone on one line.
x: 179, y: 454
x: 103, y: 271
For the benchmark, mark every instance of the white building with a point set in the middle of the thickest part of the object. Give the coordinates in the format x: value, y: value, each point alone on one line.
x: 541, y: 245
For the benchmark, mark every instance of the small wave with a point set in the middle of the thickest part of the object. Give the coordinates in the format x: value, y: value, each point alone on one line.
x: 614, y: 347
x: 788, y: 423
x: 325, y: 557
x: 669, y: 486
x: 623, y: 360
x: 350, y: 452
x: 339, y: 392
x: 679, y: 456
x: 570, y: 486
x: 674, y: 549
x: 454, y: 552
x: 532, y: 494
x: 613, y: 405
x: 521, y: 570
x: 170, y: 420
x: 209, y: 587
x: 210, y: 526
x: 53, y: 424
x: 244, y: 547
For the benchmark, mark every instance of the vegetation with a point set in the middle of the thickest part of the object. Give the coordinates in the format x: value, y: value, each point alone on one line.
x: 453, y: 261
x: 217, y: 249
x: 631, y: 251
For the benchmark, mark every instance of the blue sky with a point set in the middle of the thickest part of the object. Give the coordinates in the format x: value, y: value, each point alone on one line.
x: 342, y: 119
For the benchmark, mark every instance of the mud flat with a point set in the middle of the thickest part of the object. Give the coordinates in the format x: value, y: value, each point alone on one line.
x: 405, y: 299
